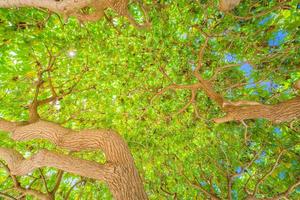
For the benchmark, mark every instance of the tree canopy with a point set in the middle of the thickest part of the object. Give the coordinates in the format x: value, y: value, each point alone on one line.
x: 205, y: 94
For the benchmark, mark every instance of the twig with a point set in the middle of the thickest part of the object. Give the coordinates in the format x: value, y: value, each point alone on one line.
x: 261, y: 13
x: 57, y: 183
x: 44, y: 180
x: 7, y: 196
x: 70, y: 190
x: 245, y: 132
x: 261, y: 180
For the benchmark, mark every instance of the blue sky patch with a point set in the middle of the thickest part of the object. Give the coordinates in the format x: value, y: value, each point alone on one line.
x: 216, y: 188
x: 203, y: 183
x: 247, y: 69
x: 269, y: 85
x: 238, y: 169
x: 230, y: 57
x: 282, y: 175
x: 277, y: 38
x: 265, y: 20
x: 277, y: 131
x: 261, y: 157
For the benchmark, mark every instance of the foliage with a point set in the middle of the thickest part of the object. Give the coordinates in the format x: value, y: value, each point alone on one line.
x: 119, y: 69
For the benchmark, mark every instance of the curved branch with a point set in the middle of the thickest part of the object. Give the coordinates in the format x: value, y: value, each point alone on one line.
x: 118, y: 172
x: 17, y: 185
x: 227, y: 5
x: 263, y: 13
x: 114, y: 147
x: 277, y: 113
x: 261, y: 180
x: 72, y: 8
x: 57, y: 183
x: 70, y: 190
x: 7, y: 196
x: 54, y: 6
x: 287, y: 192
x: 19, y: 166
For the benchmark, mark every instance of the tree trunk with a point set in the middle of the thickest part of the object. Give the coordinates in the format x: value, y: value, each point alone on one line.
x: 119, y: 171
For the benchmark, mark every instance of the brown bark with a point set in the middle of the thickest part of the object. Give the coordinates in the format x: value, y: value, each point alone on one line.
x: 241, y: 110
x: 297, y: 85
x: 281, y: 112
x: 227, y: 5
x: 119, y: 171
x: 73, y: 8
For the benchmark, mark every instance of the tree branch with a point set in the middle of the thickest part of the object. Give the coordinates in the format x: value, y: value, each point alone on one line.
x: 262, y: 179
x: 57, y: 183
x: 118, y: 172
x: 70, y: 190
x: 17, y: 185
x: 277, y: 113
x: 44, y: 180
x: 227, y: 5
x: 263, y: 13
x: 7, y: 196
x: 73, y: 8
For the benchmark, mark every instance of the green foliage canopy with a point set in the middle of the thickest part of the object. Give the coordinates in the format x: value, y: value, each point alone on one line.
x: 117, y: 70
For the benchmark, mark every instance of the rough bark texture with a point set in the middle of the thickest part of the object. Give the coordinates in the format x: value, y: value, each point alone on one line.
x: 118, y: 172
x: 281, y: 112
x: 242, y: 110
x: 73, y: 8
x: 227, y: 5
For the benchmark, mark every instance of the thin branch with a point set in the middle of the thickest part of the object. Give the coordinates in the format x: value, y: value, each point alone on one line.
x: 76, y: 184
x: 280, y: 6
x: 200, y: 56
x: 18, y: 187
x: 262, y: 179
x: 220, y: 69
x: 246, y: 137
x: 44, y: 180
x: 191, y: 101
x: 7, y: 196
x: 162, y: 70
x: 199, y: 187
x: 57, y: 183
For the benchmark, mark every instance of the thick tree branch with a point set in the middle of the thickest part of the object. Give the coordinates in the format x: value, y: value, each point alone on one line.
x: 64, y: 6
x: 227, y: 5
x: 118, y: 172
x: 239, y: 110
x: 19, y: 166
x: 73, y: 8
x: 277, y: 113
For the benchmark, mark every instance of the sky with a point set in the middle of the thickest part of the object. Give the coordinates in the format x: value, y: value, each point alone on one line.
x: 276, y: 40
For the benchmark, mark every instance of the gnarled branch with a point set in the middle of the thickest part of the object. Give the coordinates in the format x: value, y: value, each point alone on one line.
x: 73, y: 8
x: 227, y: 5
x: 118, y: 172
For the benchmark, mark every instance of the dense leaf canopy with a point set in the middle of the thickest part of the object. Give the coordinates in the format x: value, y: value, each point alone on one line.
x: 110, y: 75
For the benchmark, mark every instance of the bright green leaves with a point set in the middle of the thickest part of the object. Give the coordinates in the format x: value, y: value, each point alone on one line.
x: 116, y: 70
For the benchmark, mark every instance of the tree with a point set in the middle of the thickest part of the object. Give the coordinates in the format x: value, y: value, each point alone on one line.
x: 207, y: 100
x: 118, y: 172
x: 76, y: 8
